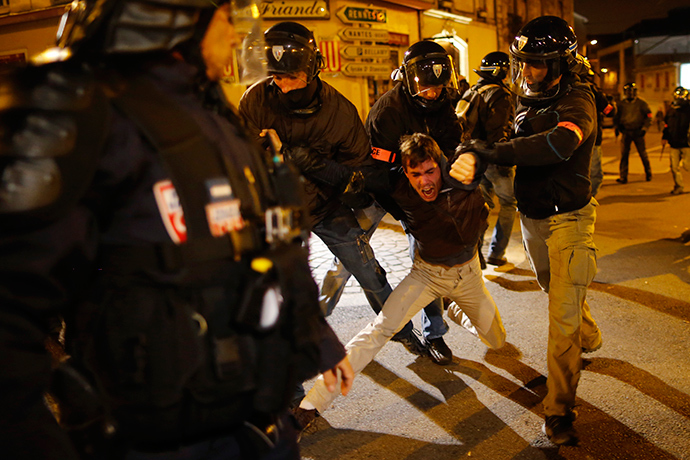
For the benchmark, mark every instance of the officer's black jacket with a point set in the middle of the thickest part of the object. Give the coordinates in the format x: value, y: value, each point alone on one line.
x: 552, y: 149
x: 334, y: 132
x: 677, y: 122
x: 495, y: 110
x: 49, y: 266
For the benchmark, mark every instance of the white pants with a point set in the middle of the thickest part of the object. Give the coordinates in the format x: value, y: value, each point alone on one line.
x: 474, y: 309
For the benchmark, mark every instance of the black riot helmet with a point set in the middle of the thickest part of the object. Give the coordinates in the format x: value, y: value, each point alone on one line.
x: 547, y: 42
x: 427, y: 65
x: 290, y: 47
x: 106, y: 27
x: 630, y: 90
x: 494, y: 66
x: 680, y: 95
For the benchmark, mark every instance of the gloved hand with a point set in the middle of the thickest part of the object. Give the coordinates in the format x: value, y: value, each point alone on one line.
x: 616, y: 131
x: 479, y: 147
x: 354, y: 195
x: 303, y: 158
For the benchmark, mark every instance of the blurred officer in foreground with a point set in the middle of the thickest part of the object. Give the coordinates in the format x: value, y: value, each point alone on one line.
x: 632, y: 120
x: 140, y: 216
x: 420, y: 102
x: 317, y: 129
x: 555, y: 129
x: 487, y: 113
x: 676, y: 127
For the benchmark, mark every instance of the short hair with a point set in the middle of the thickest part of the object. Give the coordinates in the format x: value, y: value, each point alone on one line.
x: 417, y: 148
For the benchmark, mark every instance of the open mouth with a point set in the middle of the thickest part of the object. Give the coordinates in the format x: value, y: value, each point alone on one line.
x: 428, y: 191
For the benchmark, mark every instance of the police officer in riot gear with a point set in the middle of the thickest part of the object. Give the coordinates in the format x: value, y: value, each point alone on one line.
x: 319, y: 131
x: 555, y: 130
x: 486, y: 111
x: 632, y: 120
x: 167, y: 245
x: 676, y: 128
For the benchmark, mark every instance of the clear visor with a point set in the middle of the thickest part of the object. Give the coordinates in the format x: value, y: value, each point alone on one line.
x: 534, y: 78
x: 428, y: 78
x: 287, y: 57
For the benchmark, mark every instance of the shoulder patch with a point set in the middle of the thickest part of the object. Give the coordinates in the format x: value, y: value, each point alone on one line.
x: 171, y: 210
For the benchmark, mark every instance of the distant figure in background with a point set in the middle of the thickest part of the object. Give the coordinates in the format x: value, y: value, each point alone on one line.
x: 659, y: 119
x: 677, y: 123
x: 632, y: 120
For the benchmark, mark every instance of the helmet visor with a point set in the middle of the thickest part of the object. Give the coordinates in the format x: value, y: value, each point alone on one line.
x: 534, y: 78
x: 289, y: 57
x: 427, y: 76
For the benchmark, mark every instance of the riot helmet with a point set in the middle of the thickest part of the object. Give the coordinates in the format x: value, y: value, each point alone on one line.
x: 494, y: 66
x: 547, y: 47
x: 630, y: 90
x: 427, y: 67
x: 680, y: 95
x: 127, y: 26
x: 289, y: 48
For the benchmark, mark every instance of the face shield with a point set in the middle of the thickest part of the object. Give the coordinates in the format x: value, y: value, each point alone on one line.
x: 534, y: 78
x: 427, y: 76
x: 251, y: 60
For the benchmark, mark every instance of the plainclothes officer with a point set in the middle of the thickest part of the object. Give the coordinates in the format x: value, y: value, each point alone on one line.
x: 188, y: 319
x: 555, y: 129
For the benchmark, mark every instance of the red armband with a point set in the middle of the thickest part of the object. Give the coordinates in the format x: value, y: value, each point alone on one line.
x: 574, y: 128
x: 383, y: 155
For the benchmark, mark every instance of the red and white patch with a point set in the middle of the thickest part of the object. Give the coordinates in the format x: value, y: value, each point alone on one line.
x: 383, y: 154
x: 224, y: 217
x: 574, y: 128
x: 171, y: 211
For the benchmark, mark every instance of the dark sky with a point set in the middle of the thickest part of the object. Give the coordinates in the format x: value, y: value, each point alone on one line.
x: 613, y: 16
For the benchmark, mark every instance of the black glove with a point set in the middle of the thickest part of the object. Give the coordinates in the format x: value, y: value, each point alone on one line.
x: 642, y: 132
x: 479, y: 148
x: 616, y: 131
x: 354, y: 195
x: 304, y: 158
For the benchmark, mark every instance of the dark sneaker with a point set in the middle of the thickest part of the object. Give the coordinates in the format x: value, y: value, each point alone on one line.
x: 648, y: 178
x: 559, y: 429
x: 413, y: 344
x: 304, y: 418
x: 439, y: 352
x: 620, y: 180
x: 677, y: 191
x: 497, y: 261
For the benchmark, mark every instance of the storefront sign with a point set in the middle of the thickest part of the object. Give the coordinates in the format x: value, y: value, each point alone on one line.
x: 356, y: 14
x: 356, y: 69
x: 287, y: 9
x: 331, y: 56
x: 354, y: 51
x: 351, y: 34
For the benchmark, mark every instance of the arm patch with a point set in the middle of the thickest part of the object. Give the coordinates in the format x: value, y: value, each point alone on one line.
x: 383, y: 155
x: 574, y: 128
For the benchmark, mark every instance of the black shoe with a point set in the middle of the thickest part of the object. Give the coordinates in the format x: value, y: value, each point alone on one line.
x: 304, y: 418
x: 620, y: 180
x: 498, y: 261
x: 559, y: 429
x: 413, y: 344
x: 439, y: 352
x: 648, y: 178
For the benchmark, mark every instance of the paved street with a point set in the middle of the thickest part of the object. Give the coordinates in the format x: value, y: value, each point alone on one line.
x: 634, y: 394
